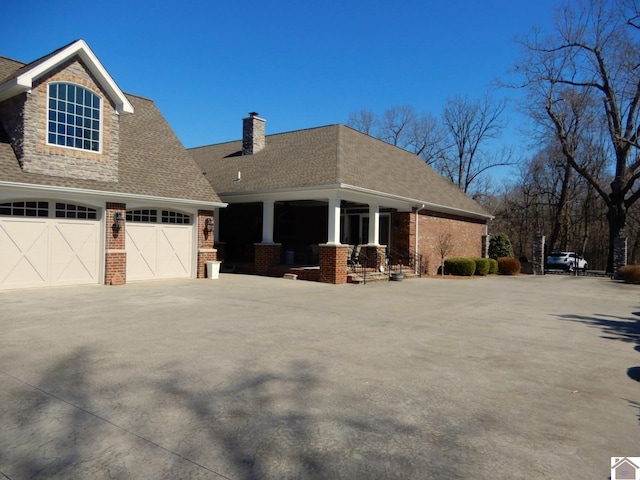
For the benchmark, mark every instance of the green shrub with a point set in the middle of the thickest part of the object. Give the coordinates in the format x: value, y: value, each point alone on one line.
x: 500, y: 246
x: 509, y: 266
x: 493, y: 266
x: 482, y: 266
x: 629, y: 273
x: 465, y: 267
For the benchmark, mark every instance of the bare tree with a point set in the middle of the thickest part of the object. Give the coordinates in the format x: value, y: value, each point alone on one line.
x: 403, y: 127
x: 364, y: 121
x: 585, y: 76
x: 470, y: 125
x: 444, y: 246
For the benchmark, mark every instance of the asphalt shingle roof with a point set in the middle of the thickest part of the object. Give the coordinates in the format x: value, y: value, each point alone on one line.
x: 324, y: 156
x: 151, y: 161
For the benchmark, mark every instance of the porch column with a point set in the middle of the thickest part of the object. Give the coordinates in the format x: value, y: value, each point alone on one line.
x: 333, y: 236
x: 267, y: 221
x: 374, y: 224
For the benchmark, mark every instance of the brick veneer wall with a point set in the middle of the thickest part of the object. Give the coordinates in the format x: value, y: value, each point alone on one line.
x: 206, y: 252
x: 466, y: 234
x: 333, y: 263
x: 115, y: 270
x: 266, y: 256
x: 26, y: 120
x: 375, y: 255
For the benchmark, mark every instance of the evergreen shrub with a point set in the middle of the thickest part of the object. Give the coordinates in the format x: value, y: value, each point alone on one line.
x: 482, y: 266
x: 465, y: 267
x: 500, y: 246
x: 493, y: 266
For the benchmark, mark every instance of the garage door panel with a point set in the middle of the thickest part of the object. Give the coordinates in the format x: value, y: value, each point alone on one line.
x: 75, y: 259
x: 174, y: 248
x: 158, y: 251
x: 24, y: 247
x: 45, y: 252
x: 141, y: 251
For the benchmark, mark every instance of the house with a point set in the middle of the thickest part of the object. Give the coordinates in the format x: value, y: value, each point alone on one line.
x: 309, y: 197
x: 95, y: 187
x: 624, y: 469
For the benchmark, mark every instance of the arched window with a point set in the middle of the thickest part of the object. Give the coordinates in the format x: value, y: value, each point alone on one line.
x: 74, y: 117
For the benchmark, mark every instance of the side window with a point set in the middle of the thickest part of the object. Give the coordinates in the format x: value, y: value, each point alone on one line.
x: 24, y: 209
x: 68, y: 210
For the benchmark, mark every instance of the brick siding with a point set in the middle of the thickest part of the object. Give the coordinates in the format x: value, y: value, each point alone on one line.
x: 266, y: 256
x: 115, y: 271
x: 466, y: 237
x: 333, y: 263
x: 206, y: 252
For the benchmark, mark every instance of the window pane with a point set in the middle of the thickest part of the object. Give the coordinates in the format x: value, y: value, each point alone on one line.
x: 71, y: 93
x: 62, y: 92
x: 53, y: 90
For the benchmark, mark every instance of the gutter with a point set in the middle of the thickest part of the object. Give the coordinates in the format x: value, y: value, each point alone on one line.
x: 116, y: 195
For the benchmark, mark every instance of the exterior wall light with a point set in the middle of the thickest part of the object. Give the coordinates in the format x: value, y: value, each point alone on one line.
x: 208, y: 225
x: 117, y: 220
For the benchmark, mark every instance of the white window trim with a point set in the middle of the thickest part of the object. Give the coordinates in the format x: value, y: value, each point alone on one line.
x: 101, y: 119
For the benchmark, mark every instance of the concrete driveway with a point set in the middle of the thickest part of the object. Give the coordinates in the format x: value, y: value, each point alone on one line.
x: 249, y: 377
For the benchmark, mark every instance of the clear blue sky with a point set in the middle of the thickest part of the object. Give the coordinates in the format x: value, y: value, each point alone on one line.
x: 300, y: 64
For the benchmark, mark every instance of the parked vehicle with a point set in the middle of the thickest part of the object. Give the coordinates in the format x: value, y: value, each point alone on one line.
x: 568, y: 261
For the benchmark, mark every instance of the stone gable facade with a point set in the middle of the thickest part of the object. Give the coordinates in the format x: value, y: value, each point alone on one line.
x: 25, y: 118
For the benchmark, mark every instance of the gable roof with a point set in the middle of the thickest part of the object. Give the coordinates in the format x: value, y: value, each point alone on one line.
x: 23, y: 78
x: 152, y: 162
x: 334, y: 155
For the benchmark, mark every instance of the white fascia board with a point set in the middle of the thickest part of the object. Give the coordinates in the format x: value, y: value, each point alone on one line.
x: 345, y: 192
x: 24, y: 81
x: 420, y: 203
x: 7, y: 188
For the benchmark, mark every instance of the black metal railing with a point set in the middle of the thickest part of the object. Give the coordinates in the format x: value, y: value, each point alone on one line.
x: 407, y: 258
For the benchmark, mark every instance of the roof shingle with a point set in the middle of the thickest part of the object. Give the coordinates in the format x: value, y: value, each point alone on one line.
x: 151, y: 161
x: 330, y: 155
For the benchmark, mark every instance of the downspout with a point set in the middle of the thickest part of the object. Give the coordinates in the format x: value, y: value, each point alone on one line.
x: 415, y: 267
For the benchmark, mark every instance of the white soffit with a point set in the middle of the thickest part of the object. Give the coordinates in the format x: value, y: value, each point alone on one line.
x: 24, y: 81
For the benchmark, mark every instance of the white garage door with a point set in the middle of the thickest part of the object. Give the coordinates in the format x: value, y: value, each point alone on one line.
x: 159, y: 244
x: 46, y: 244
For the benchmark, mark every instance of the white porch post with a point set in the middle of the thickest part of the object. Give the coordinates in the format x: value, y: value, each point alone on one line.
x: 267, y: 221
x: 333, y: 237
x: 374, y: 224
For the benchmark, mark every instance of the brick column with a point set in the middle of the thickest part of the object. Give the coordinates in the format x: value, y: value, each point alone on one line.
x: 206, y: 252
x: 333, y: 263
x: 266, y: 256
x: 538, y: 254
x: 375, y: 255
x: 115, y: 268
x: 619, y: 255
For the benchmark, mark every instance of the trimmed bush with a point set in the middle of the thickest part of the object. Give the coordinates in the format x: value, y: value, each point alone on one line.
x: 493, y: 266
x: 500, y: 246
x: 465, y: 267
x: 509, y: 266
x: 482, y: 266
x: 630, y: 273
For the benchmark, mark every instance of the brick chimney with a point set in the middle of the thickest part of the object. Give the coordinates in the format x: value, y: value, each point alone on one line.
x: 252, y: 134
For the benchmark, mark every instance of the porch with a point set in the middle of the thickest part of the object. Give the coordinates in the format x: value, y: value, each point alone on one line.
x: 332, y: 241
